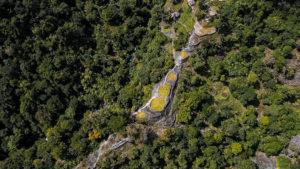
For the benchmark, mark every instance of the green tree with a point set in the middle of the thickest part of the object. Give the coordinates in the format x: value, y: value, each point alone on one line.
x: 236, y: 148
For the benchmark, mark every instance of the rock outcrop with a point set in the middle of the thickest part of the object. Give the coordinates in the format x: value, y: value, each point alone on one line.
x: 294, y: 144
x: 264, y: 162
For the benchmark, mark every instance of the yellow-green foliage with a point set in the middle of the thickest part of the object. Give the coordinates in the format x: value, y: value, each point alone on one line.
x: 164, y: 90
x: 252, y: 77
x: 264, y: 120
x: 216, y: 8
x: 166, y: 30
x: 223, y: 94
x: 141, y: 115
x: 147, y: 92
x: 171, y: 6
x: 218, y: 137
x: 158, y: 104
x: 298, y: 111
x: 183, y: 54
x: 236, y: 148
x: 172, y: 76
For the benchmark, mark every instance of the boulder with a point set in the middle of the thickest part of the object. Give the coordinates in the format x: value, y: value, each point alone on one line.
x: 294, y: 144
x: 264, y: 162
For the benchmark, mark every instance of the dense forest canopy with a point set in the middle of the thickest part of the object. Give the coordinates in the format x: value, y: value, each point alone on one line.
x: 60, y: 60
x: 71, y: 73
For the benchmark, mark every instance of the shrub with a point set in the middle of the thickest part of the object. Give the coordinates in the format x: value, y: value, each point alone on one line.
x: 236, y: 148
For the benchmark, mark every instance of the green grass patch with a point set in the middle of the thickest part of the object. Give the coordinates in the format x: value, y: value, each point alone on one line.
x: 166, y: 30
x: 187, y: 18
x: 283, y: 162
x: 223, y: 94
x: 207, y: 30
x: 225, y: 99
x: 164, y: 90
x: 158, y: 104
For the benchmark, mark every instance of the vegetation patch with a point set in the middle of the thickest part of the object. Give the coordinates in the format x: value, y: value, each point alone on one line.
x: 164, y: 90
x: 141, y: 115
x: 283, y: 162
x: 222, y: 94
x: 147, y: 92
x: 186, y: 18
x: 169, y: 5
x: 207, y: 30
x: 169, y: 48
x: 182, y: 36
x: 172, y: 76
x: 166, y: 30
x: 183, y: 54
x: 158, y: 104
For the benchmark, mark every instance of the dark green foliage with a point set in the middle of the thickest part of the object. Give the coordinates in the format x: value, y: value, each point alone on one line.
x: 242, y: 91
x: 70, y: 69
x: 181, y: 40
x: 61, y: 61
x: 270, y: 145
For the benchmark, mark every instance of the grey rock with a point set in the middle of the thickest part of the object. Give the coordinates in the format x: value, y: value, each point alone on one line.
x: 294, y: 144
x: 264, y: 162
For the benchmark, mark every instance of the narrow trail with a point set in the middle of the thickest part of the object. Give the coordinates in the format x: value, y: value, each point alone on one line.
x: 153, y: 116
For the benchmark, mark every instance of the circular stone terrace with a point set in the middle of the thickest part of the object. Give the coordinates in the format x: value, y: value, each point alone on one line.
x: 161, y: 95
x: 163, y: 91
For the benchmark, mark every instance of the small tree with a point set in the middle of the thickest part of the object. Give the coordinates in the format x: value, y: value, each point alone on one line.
x: 236, y: 148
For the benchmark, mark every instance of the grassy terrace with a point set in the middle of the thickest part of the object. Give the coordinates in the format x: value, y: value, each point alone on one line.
x: 141, y: 115
x: 166, y: 30
x: 164, y: 90
x: 172, y: 76
x: 158, y: 104
x: 183, y: 54
x: 207, y: 30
